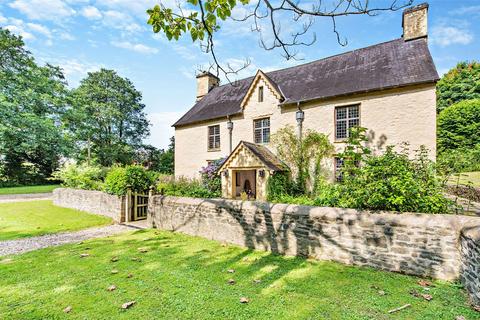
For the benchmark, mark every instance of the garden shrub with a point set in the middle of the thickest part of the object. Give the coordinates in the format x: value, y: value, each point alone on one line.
x: 182, y: 187
x: 136, y: 177
x: 459, y: 126
x: 390, y: 181
x: 210, y: 178
x: 279, y: 184
x: 81, y: 176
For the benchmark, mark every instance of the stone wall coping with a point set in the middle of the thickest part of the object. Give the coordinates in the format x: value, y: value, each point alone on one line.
x: 58, y: 190
x: 456, y: 222
x: 472, y: 233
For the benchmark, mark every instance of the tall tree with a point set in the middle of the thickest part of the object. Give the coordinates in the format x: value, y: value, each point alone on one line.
x: 107, y: 118
x: 460, y: 83
x: 32, y: 100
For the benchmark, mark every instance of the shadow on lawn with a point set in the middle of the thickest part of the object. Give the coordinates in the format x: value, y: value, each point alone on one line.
x: 294, y: 232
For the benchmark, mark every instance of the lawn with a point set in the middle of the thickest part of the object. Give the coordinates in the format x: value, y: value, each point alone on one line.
x: 175, y: 276
x: 468, y: 178
x: 33, y: 218
x: 29, y: 189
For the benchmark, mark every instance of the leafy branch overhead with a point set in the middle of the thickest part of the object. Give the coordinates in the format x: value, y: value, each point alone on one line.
x: 202, y: 19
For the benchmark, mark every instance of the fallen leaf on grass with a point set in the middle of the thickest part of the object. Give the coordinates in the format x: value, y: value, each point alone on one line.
x: 129, y: 275
x: 114, y: 259
x: 427, y: 297
x: 460, y: 318
x: 112, y: 288
x: 84, y: 255
x: 114, y: 271
x: 414, y: 293
x: 143, y: 250
x: 231, y: 281
x: 230, y: 270
x: 244, y: 300
x: 128, y: 304
x: 381, y: 292
x: 257, y: 281
x: 424, y: 283
x: 67, y: 309
x: 136, y: 259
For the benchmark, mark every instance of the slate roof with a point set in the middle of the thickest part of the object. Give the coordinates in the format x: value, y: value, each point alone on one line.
x: 386, y: 65
x: 270, y: 160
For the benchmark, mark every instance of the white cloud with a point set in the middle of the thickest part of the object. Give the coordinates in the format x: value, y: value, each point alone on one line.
x: 43, y: 9
x: 444, y: 35
x: 137, y: 47
x: 161, y: 129
x: 467, y: 10
x: 38, y: 28
x: 120, y: 20
x: 18, y: 30
x: 91, y: 13
x: 3, y: 19
x: 74, y: 69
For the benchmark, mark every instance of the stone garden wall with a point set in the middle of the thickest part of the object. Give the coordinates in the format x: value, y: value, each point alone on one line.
x: 418, y: 244
x: 96, y: 202
x: 470, y: 273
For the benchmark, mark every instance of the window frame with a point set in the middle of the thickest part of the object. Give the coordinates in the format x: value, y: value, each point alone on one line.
x: 261, y: 129
x: 215, y: 136
x: 261, y: 92
x: 346, y: 120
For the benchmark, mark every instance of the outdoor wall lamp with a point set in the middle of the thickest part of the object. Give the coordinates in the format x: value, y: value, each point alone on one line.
x: 261, y: 173
x: 229, y: 125
x: 300, y: 116
x: 225, y: 173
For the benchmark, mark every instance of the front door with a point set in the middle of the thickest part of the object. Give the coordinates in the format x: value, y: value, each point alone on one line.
x: 246, y: 183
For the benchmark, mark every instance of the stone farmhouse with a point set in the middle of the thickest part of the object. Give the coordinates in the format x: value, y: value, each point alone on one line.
x: 388, y: 88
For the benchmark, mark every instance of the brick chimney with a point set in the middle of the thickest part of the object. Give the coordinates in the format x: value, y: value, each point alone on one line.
x: 414, y: 22
x: 205, y: 82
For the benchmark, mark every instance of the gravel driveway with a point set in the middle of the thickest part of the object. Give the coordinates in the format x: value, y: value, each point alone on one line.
x: 33, y: 243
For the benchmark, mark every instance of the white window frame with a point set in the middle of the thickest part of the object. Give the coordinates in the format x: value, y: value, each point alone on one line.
x: 263, y: 129
x: 213, y: 144
x: 349, y: 121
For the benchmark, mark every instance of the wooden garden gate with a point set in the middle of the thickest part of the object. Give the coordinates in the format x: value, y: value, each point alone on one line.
x: 136, y: 206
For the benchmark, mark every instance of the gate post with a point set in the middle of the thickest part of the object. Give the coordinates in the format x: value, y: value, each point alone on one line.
x: 128, y: 209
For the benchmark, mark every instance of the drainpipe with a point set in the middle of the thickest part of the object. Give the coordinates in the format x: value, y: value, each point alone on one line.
x: 230, y: 129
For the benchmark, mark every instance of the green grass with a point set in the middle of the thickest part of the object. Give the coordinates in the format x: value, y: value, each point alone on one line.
x: 183, y: 277
x: 29, y: 189
x: 34, y: 218
x: 466, y: 178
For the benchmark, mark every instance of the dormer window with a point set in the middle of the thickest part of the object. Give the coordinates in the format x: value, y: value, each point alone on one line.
x: 260, y: 94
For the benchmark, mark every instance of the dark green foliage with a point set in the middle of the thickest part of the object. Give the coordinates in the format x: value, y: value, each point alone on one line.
x: 390, y: 181
x: 107, y: 119
x: 279, y: 184
x: 459, y: 126
x: 119, y: 179
x: 393, y: 182
x: 460, y: 83
x: 32, y: 100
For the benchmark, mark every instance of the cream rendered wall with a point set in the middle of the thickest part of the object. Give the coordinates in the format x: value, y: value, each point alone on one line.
x: 391, y: 116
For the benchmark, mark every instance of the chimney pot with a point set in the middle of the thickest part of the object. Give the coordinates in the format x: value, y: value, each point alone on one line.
x: 205, y: 82
x: 414, y: 22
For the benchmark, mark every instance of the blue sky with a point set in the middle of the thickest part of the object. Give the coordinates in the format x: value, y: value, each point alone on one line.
x: 85, y: 35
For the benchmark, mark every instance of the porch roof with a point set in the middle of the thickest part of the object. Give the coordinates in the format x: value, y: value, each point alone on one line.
x: 262, y: 153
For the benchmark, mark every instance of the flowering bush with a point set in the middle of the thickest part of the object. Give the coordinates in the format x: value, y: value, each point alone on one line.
x: 210, y: 178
